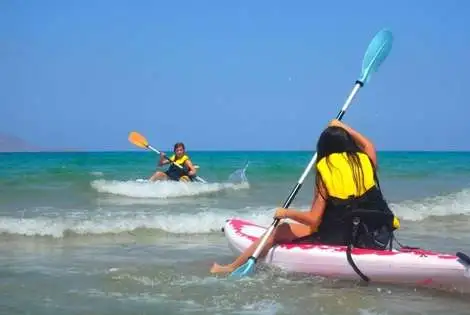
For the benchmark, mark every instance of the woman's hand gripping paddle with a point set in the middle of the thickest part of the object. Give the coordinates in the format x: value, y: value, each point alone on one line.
x: 140, y: 141
x: 376, y: 53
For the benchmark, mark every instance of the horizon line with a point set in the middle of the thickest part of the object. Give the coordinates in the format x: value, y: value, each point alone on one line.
x: 224, y: 150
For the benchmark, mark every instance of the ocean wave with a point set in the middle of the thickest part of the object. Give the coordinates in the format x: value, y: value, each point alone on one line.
x: 202, y: 220
x: 437, y: 206
x: 199, y: 222
x: 162, y: 189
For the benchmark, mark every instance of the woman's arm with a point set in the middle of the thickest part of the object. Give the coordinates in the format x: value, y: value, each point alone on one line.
x: 163, y: 159
x: 311, y: 218
x: 191, y: 168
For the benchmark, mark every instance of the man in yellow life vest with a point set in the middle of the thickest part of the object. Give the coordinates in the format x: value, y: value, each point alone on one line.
x: 186, y: 172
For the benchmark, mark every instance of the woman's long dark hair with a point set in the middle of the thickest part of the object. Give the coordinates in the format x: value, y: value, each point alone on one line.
x: 337, y: 140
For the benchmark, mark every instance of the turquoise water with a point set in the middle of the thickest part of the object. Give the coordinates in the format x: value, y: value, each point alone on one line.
x: 81, y: 233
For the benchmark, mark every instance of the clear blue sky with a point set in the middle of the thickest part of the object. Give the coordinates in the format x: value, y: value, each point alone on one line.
x: 231, y: 75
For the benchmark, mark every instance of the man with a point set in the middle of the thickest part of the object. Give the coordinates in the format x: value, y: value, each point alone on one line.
x: 184, y: 172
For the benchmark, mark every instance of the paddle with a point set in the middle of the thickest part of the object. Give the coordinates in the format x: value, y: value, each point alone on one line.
x: 140, y: 141
x: 376, y: 53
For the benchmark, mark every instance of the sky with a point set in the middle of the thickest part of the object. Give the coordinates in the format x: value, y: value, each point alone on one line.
x: 232, y: 75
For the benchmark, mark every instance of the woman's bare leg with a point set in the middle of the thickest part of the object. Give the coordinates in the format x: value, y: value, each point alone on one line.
x: 284, y: 233
x: 158, y: 176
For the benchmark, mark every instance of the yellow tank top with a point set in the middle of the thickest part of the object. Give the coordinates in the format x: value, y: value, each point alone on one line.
x: 338, y: 178
x: 179, y: 161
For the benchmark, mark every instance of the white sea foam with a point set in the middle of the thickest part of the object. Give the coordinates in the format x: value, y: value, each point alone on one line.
x: 200, y: 221
x: 162, y: 189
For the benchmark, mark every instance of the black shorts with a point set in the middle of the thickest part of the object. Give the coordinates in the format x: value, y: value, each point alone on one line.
x: 173, y: 175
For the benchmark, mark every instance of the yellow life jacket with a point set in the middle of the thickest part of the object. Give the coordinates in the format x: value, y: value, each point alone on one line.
x: 179, y: 161
x: 338, y: 177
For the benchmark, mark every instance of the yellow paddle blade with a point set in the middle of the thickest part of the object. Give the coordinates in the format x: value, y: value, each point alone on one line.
x: 137, y: 139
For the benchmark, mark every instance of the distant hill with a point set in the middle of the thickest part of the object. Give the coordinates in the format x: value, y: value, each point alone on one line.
x: 9, y: 143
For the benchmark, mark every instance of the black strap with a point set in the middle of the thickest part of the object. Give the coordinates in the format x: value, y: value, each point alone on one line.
x: 464, y: 258
x: 356, y: 222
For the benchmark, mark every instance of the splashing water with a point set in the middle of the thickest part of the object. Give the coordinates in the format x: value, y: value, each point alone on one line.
x: 142, y: 188
x: 239, y: 175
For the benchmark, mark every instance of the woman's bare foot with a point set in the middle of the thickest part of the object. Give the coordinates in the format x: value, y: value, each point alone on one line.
x: 216, y: 268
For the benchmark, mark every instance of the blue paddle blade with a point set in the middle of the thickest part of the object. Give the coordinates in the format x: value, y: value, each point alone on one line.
x: 244, y: 269
x: 376, y: 53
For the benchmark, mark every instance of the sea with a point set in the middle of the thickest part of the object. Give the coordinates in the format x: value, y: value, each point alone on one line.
x: 86, y: 233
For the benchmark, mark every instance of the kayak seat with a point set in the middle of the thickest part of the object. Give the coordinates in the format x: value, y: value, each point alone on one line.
x: 360, y: 228
x: 372, y: 229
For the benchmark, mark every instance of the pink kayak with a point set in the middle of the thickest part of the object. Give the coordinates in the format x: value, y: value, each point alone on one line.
x: 415, y: 267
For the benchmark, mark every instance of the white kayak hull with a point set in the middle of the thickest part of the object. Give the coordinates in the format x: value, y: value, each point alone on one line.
x: 415, y: 267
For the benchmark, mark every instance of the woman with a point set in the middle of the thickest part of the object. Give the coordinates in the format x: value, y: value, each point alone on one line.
x: 345, y: 181
x: 185, y: 172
